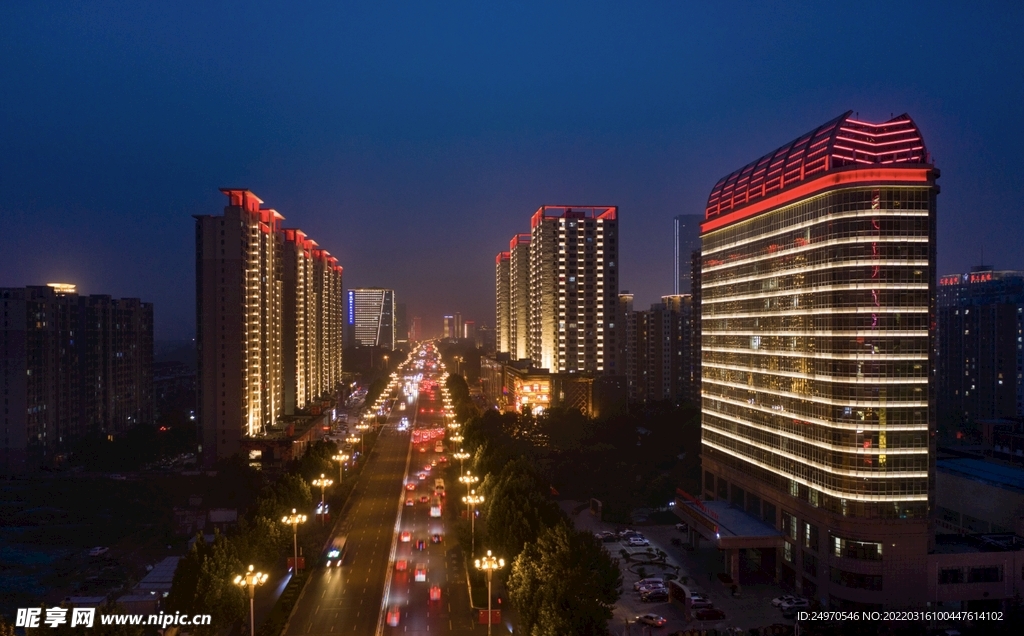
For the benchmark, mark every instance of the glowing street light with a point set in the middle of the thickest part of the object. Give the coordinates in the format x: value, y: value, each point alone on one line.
x: 355, y: 439
x: 489, y: 564
x: 323, y: 483
x: 461, y: 456
x: 472, y: 500
x: 341, y: 458
x: 250, y: 580
x: 295, y: 519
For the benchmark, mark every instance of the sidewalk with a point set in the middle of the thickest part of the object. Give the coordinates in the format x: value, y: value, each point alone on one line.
x: 751, y: 609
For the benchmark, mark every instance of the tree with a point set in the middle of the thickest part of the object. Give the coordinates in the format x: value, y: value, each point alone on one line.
x: 517, y: 508
x: 564, y: 583
x: 203, y: 582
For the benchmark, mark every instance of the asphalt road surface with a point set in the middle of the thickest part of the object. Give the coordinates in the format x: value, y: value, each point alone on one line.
x: 370, y: 591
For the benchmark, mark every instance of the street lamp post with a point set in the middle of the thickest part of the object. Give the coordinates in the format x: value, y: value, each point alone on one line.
x: 362, y: 428
x: 295, y: 519
x: 461, y: 456
x: 469, y: 479
x: 341, y: 458
x: 355, y: 439
x: 323, y: 483
x: 250, y: 580
x: 489, y: 564
x: 472, y: 500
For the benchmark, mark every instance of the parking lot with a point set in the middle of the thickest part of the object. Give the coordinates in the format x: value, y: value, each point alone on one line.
x: 698, y: 569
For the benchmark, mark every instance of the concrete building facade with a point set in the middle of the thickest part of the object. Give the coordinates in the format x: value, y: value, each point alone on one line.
x: 502, y: 309
x: 574, y: 289
x: 981, y: 347
x: 70, y: 366
x: 519, y: 296
x: 269, y: 323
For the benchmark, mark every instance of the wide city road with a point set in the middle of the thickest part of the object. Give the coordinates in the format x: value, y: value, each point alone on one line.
x: 368, y: 594
x: 427, y: 593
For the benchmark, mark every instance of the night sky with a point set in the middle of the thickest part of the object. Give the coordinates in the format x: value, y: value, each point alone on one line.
x: 412, y: 140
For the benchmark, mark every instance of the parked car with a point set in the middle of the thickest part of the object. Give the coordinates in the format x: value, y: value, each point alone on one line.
x: 655, y: 596
x: 638, y: 542
x: 785, y: 598
x: 642, y: 582
x: 700, y: 603
x: 797, y: 603
x: 709, y: 614
x: 652, y: 619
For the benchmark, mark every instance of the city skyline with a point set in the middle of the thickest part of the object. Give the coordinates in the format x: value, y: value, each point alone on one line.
x: 389, y: 142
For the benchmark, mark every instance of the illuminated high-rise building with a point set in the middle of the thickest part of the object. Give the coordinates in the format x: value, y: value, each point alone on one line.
x: 238, y: 323
x: 448, y: 331
x: 686, y: 235
x: 817, y: 293
x: 502, y: 299
x: 269, y: 322
x: 371, y: 317
x: 519, y: 296
x: 574, y: 287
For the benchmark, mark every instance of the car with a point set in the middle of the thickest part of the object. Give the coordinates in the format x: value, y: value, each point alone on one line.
x: 700, y: 603
x: 682, y: 527
x: 406, y: 537
x: 433, y: 462
x: 401, y: 565
x: 638, y: 542
x: 394, y: 615
x: 642, y: 582
x: 435, y: 593
x: 423, y: 449
x: 410, y: 486
x: 443, y: 459
x: 655, y: 596
x: 785, y: 598
x: 797, y: 603
x: 435, y: 538
x: 422, y: 476
x: 424, y: 499
x: 652, y: 619
x: 709, y: 614
x: 421, y: 545
x: 650, y: 587
x: 420, y: 574
x: 426, y: 468
x: 409, y: 501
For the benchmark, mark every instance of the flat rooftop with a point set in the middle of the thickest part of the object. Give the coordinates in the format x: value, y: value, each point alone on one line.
x: 960, y: 544
x: 735, y: 527
x: 991, y: 473
x: 159, y: 578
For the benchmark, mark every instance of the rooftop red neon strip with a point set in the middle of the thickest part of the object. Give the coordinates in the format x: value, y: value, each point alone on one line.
x: 825, y: 182
x: 897, y: 141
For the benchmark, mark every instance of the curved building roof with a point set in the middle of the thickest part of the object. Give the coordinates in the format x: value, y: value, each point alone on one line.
x: 841, y: 144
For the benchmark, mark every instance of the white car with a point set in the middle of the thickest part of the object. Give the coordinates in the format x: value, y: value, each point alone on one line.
x: 638, y: 541
x: 785, y: 598
x: 647, y: 582
x: 797, y: 603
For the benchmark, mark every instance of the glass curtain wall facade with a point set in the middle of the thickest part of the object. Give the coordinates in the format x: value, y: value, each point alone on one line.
x: 817, y: 356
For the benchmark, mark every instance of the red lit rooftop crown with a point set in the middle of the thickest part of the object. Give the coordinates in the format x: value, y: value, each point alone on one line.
x: 841, y: 145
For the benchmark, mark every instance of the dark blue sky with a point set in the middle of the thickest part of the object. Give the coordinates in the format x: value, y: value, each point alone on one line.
x: 412, y: 141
